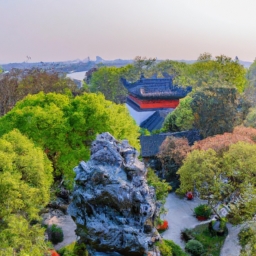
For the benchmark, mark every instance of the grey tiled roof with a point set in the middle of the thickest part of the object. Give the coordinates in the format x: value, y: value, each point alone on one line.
x: 150, y: 144
x: 155, y: 121
x: 156, y: 88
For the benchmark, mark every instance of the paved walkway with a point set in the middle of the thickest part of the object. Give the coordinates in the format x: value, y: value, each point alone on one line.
x: 231, y: 246
x: 180, y: 216
x: 68, y: 226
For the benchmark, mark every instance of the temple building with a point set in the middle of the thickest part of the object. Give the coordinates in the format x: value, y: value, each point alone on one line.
x: 151, y: 99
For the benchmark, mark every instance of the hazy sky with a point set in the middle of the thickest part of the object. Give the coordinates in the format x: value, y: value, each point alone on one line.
x: 55, y: 30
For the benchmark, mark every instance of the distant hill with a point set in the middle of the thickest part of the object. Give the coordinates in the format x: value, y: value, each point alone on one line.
x: 246, y: 64
x: 83, y: 65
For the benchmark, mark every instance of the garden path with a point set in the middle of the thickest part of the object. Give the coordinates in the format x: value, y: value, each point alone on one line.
x: 180, y: 216
x: 68, y: 226
x: 231, y: 246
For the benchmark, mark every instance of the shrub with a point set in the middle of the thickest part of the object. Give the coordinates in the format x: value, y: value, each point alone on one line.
x: 176, y: 250
x: 162, y: 188
x: 247, y: 239
x: 74, y: 249
x: 165, y: 249
x: 80, y: 249
x: 187, y: 234
x: 67, y: 250
x: 169, y: 248
x: 203, y: 210
x: 194, y: 247
x: 55, y: 234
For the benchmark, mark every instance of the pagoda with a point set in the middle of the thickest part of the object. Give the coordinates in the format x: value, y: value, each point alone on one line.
x: 154, y: 93
x: 151, y: 99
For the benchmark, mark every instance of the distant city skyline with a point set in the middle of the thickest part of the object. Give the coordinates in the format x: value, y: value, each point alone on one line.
x: 61, y: 30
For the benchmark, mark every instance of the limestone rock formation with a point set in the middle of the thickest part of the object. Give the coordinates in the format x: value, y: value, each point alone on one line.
x: 112, y: 205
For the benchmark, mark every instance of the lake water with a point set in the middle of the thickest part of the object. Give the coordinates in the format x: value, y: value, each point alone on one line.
x: 77, y: 75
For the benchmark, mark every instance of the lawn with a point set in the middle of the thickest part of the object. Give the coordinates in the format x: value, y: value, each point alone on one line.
x: 212, y: 243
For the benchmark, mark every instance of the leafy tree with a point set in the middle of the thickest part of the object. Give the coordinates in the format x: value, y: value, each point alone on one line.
x: 229, y: 178
x: 34, y: 81
x: 16, y: 84
x: 181, y: 118
x: 162, y: 188
x: 107, y: 80
x: 178, y: 70
x: 206, y: 56
x: 171, y: 154
x: 246, y: 131
x: 65, y: 126
x: 211, y: 110
x: 25, y: 180
x: 251, y: 74
x: 247, y: 239
x: 220, y: 143
x: 8, y: 92
x: 214, y: 110
x: 20, y: 238
x: 26, y: 176
x: 223, y: 71
x: 143, y: 64
x: 250, y: 95
x: 250, y: 120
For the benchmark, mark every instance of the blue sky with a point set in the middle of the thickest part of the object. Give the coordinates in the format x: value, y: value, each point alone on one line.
x: 56, y: 30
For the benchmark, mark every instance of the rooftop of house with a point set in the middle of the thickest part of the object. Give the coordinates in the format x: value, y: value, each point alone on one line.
x: 150, y: 144
x: 155, y: 121
x: 156, y: 88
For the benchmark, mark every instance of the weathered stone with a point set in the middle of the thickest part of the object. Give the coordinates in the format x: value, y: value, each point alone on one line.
x: 112, y: 205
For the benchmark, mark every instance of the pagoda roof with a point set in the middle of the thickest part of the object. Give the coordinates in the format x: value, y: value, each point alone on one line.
x: 150, y: 144
x: 156, y: 88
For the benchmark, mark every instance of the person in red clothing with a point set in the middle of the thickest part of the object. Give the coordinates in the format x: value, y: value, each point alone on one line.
x: 189, y: 195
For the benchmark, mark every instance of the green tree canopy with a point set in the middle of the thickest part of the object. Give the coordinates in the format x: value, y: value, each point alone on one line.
x: 107, y: 80
x: 222, y: 71
x: 65, y: 126
x: 25, y: 180
x: 206, y: 72
x: 212, y: 110
x: 177, y: 69
x: 229, y: 178
x: 251, y: 74
x: 17, y: 84
x: 206, y: 56
x: 250, y: 120
x: 143, y: 64
x: 181, y: 118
